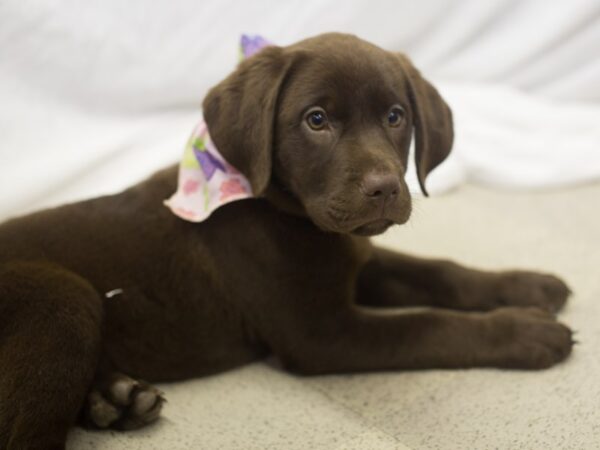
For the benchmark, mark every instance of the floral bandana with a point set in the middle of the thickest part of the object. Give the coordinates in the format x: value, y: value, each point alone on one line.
x: 206, y: 180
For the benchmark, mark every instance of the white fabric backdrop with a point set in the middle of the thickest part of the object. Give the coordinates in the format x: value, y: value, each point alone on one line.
x: 95, y: 95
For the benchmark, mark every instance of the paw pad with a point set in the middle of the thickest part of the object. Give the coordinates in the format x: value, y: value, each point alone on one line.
x: 122, y: 403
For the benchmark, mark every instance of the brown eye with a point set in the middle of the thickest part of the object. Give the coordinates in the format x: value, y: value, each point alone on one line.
x: 395, y: 116
x: 316, y: 119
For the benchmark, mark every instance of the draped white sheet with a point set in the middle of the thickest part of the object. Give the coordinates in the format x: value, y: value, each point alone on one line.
x: 95, y: 95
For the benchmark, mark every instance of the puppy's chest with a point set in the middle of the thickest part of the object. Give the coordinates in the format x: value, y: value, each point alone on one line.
x: 262, y: 258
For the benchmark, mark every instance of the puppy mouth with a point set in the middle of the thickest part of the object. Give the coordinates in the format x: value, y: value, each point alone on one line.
x: 372, y: 228
x: 360, y: 222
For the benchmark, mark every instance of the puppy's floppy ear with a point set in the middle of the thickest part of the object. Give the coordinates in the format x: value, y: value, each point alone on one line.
x: 432, y: 122
x: 240, y: 113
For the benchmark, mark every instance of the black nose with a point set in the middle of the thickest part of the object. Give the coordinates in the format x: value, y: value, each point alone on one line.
x: 380, y: 186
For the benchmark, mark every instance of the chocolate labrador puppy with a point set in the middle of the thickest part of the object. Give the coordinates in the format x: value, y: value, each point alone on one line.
x: 322, y: 130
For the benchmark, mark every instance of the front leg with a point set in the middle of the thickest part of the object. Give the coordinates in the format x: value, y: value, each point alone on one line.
x: 393, y: 279
x: 364, y: 339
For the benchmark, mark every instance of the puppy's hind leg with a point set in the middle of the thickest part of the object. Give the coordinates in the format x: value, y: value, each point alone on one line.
x: 120, y: 402
x: 50, y: 321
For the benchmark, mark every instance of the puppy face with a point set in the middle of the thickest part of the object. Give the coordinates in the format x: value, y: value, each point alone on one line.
x: 329, y: 121
x: 343, y: 132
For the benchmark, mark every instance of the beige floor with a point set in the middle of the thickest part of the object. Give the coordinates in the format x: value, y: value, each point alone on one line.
x: 258, y: 407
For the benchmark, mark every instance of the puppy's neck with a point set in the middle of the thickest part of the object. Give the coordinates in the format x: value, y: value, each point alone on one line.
x: 283, y: 199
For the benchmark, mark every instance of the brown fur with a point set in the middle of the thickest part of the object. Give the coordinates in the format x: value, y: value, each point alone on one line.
x: 289, y: 273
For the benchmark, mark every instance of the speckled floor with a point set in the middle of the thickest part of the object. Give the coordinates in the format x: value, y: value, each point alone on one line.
x: 259, y: 407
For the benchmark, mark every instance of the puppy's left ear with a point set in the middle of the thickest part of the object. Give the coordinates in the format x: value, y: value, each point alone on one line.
x: 432, y: 122
x: 240, y: 113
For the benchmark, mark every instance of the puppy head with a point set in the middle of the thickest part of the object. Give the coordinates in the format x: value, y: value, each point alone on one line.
x: 329, y: 121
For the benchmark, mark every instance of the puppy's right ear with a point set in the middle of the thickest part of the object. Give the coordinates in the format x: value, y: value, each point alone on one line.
x: 241, y: 111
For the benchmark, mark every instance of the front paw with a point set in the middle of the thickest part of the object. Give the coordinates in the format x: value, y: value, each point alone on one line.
x: 527, y: 338
x: 523, y: 288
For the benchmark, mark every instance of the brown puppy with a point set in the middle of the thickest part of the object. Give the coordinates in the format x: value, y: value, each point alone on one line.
x: 322, y: 130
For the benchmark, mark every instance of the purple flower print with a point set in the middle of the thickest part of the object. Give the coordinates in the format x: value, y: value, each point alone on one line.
x: 251, y: 45
x: 208, y: 163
